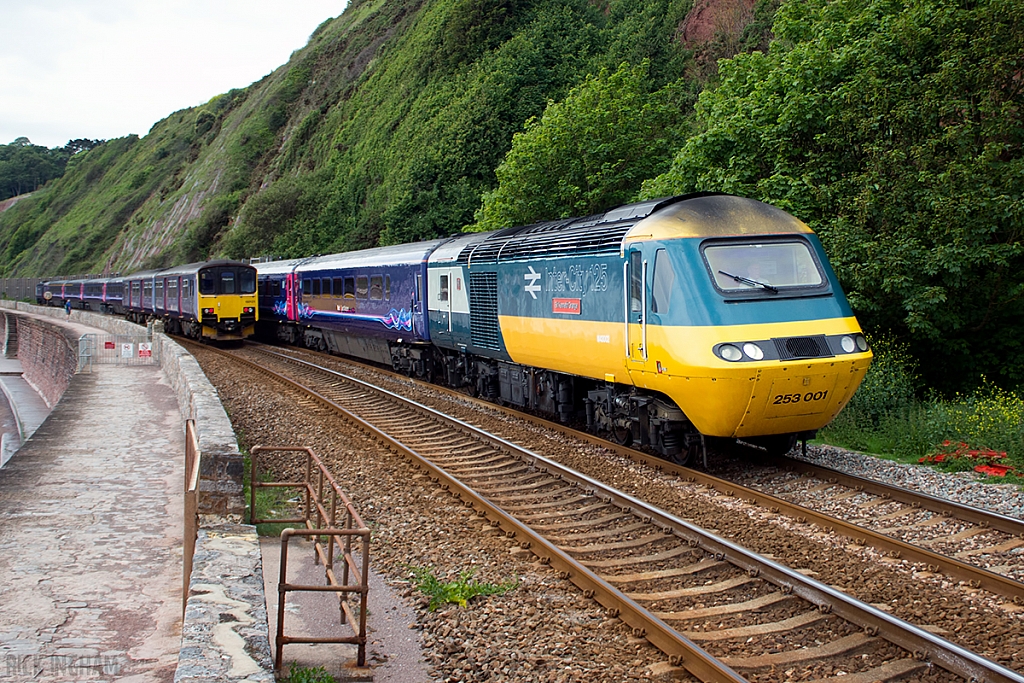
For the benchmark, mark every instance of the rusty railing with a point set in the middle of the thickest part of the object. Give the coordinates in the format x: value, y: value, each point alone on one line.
x: 321, y: 518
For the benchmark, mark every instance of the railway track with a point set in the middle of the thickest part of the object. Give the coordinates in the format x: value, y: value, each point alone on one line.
x: 967, y: 544
x: 713, y: 607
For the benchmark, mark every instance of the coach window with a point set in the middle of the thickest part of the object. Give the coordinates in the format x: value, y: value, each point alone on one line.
x: 316, y: 287
x: 664, y: 278
x: 227, y: 282
x: 160, y: 292
x: 376, y: 287
x: 275, y: 286
x: 387, y: 288
x: 307, y: 287
x: 326, y: 291
x: 362, y: 286
x: 339, y: 286
x: 350, y: 287
x: 443, y: 294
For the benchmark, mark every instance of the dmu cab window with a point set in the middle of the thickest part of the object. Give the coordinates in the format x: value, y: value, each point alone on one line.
x: 762, y: 266
x: 227, y: 280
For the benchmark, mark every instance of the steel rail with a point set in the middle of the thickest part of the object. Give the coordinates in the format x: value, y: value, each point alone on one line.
x: 982, y: 518
x: 975, y: 576
x: 681, y: 651
x: 923, y: 644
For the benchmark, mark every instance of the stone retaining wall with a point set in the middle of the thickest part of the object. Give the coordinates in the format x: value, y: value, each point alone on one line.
x: 48, y: 357
x: 227, y: 571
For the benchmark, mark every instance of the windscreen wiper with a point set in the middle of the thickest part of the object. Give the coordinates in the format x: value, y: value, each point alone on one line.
x: 752, y: 283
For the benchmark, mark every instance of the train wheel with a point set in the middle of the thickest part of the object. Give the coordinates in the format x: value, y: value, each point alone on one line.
x: 621, y: 435
x: 776, y: 445
x: 686, y: 456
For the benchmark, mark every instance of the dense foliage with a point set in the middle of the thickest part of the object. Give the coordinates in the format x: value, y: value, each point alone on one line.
x: 588, y: 152
x: 25, y: 167
x: 895, y: 130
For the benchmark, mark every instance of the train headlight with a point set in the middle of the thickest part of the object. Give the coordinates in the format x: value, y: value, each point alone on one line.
x: 862, y: 343
x: 730, y: 352
x: 753, y: 351
x: 848, y: 344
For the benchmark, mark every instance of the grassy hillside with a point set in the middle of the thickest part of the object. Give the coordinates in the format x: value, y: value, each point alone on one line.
x: 386, y: 127
x: 896, y: 129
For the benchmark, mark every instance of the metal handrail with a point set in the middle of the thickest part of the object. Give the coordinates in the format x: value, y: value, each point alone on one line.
x: 321, y: 519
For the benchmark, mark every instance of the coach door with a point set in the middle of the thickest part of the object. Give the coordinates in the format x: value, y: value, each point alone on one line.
x: 636, y: 309
x: 441, y: 303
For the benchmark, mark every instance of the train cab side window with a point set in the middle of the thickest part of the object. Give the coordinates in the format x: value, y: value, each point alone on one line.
x: 339, y: 286
x: 362, y: 286
x: 387, y: 288
x: 443, y: 294
x: 350, y: 287
x: 376, y: 288
x: 664, y: 278
x: 636, y: 282
x: 316, y: 287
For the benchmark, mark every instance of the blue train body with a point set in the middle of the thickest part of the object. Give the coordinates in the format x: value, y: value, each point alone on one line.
x: 632, y: 320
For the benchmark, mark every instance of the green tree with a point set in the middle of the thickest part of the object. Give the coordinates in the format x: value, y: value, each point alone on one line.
x: 25, y: 167
x: 895, y: 129
x: 588, y: 152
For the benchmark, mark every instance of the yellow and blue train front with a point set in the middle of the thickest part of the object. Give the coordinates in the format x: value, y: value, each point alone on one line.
x: 726, y: 306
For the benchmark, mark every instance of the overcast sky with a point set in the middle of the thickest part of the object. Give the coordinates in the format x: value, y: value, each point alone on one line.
x: 104, y: 69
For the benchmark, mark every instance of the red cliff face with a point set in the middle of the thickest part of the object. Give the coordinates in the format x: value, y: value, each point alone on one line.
x: 711, y: 18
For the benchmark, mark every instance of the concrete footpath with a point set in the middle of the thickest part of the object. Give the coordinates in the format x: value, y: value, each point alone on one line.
x: 90, y: 535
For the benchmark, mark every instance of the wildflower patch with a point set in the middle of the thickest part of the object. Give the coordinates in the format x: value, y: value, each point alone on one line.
x: 959, y: 457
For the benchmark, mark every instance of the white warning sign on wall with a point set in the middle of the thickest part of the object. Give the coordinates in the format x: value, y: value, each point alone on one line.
x: 127, y: 350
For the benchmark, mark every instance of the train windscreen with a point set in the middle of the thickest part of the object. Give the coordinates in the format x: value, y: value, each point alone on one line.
x: 227, y: 280
x: 766, y: 265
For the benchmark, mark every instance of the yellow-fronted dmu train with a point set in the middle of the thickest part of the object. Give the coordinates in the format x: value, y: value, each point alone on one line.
x: 211, y: 300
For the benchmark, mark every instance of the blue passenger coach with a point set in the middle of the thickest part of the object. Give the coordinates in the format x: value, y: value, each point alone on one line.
x: 367, y: 304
